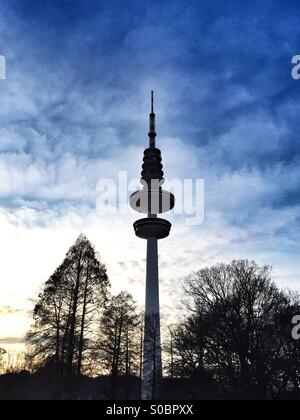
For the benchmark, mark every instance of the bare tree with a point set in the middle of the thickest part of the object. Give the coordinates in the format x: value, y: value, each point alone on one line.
x: 233, y: 328
x: 2, y: 354
x: 152, y: 371
x: 118, y: 346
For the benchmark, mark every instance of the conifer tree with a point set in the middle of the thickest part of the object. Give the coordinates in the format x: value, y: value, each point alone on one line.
x: 67, y: 311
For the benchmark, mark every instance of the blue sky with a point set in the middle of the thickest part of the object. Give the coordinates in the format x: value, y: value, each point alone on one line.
x: 73, y: 110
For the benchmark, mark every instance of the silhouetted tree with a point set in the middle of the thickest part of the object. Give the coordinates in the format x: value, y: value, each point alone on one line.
x: 68, y: 309
x: 171, y: 367
x: 152, y: 363
x: 141, y: 343
x: 118, y: 344
x: 234, y: 330
x: 285, y: 373
x: 187, y: 346
x: 2, y: 353
x: 117, y: 338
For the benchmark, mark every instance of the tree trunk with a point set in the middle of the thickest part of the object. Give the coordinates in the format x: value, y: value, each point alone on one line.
x: 64, y: 343
x: 172, y: 355
x: 57, y: 320
x: 73, y: 318
x: 83, y: 324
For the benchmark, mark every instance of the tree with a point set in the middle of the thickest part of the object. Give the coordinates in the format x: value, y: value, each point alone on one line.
x: 2, y: 354
x: 285, y: 374
x: 141, y: 343
x: 171, y: 350
x: 67, y: 310
x: 152, y: 363
x: 233, y: 330
x: 118, y: 338
x: 186, y: 348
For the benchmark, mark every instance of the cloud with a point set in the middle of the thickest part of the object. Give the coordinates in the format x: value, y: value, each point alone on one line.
x: 8, y: 310
x: 74, y: 110
x: 11, y: 340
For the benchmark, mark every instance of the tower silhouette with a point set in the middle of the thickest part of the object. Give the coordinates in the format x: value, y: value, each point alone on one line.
x: 152, y: 200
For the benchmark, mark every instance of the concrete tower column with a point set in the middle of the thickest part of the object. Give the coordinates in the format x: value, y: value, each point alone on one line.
x: 152, y: 364
x: 152, y: 200
x: 152, y: 286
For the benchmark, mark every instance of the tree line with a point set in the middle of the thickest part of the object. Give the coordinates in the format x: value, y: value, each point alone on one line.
x: 233, y: 342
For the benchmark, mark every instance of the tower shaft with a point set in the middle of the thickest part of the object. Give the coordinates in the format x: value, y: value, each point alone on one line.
x: 152, y: 285
x: 152, y: 364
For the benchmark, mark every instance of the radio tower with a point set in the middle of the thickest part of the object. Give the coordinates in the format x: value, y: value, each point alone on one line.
x: 152, y: 200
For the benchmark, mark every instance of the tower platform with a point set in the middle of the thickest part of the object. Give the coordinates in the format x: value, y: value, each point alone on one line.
x: 152, y: 228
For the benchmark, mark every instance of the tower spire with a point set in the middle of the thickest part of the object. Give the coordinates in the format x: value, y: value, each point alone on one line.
x: 152, y: 132
x: 152, y: 102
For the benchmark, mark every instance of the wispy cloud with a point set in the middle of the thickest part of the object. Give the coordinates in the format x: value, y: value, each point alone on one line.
x: 11, y: 340
x: 8, y: 310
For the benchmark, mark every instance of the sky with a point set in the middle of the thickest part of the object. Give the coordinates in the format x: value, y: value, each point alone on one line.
x: 74, y: 110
